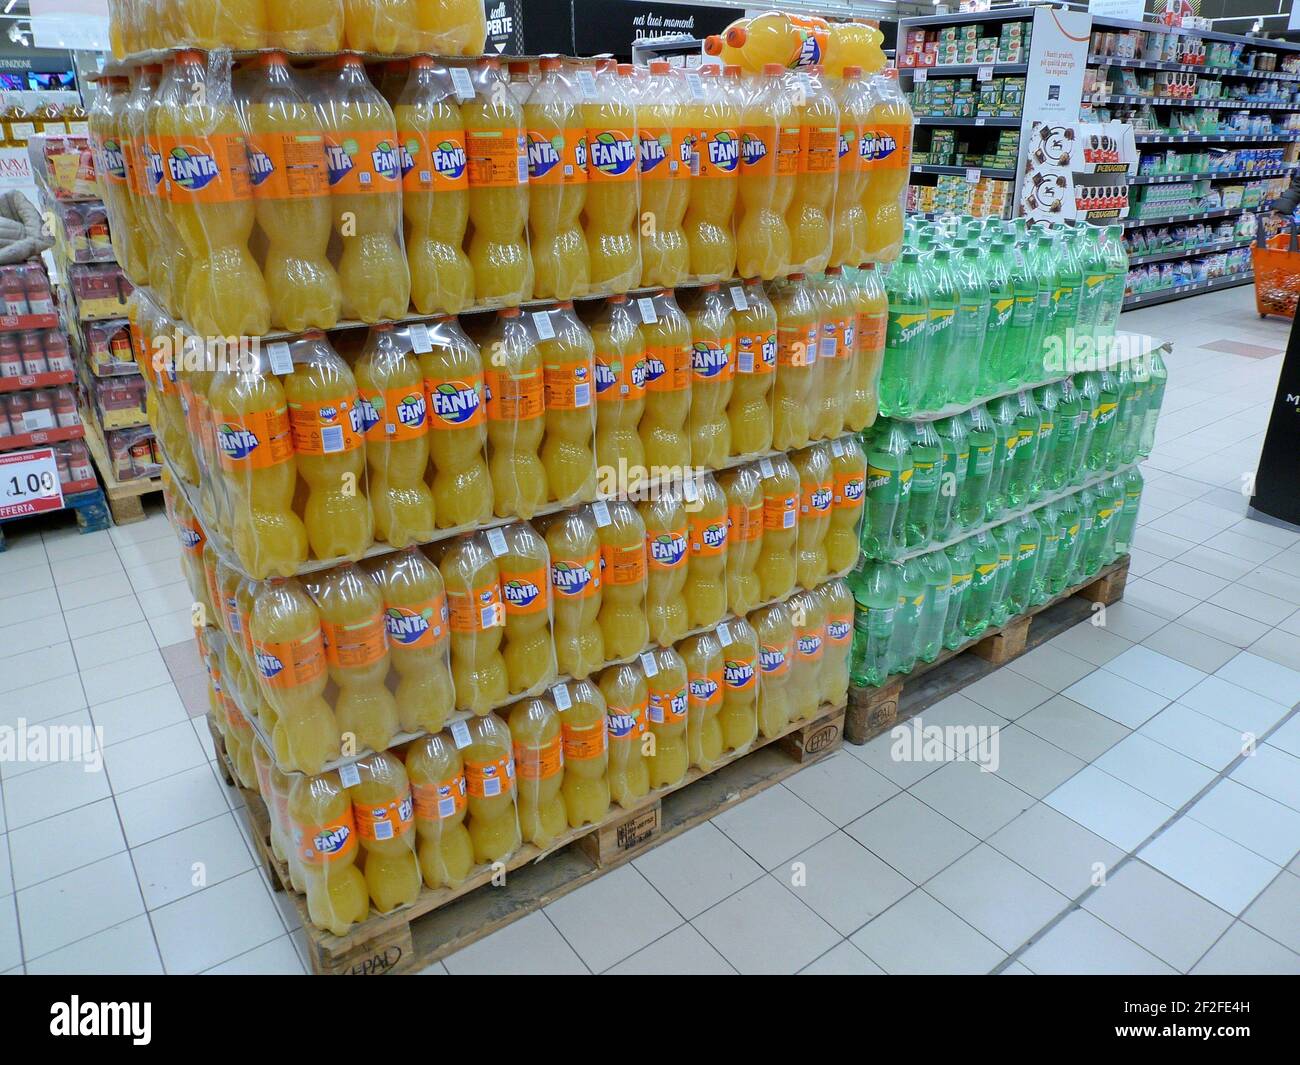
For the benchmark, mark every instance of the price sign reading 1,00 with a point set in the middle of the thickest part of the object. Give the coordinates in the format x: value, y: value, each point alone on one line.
x: 29, y: 483
x: 33, y: 484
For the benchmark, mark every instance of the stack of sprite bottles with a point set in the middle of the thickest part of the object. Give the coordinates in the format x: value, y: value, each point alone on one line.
x: 975, y: 517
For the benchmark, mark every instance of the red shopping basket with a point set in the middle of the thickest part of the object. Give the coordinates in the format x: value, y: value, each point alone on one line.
x: 1277, y: 274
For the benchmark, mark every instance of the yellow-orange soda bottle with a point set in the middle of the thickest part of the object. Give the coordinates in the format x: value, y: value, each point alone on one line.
x: 848, y: 493
x: 834, y: 355
x: 476, y: 615
x: 326, y: 425
x: 568, y: 371
x: 798, y: 340
x: 395, y: 421
x: 234, y: 24
x: 539, y: 765
x: 515, y: 416
x: 325, y: 837
x: 497, y: 158
x: 585, y: 728
x: 750, y: 409
x: 816, y: 497
x: 455, y: 393
x: 704, y: 667
x: 849, y: 218
x: 451, y: 27
x: 776, y: 566
x: 435, y: 190
x: 385, y: 817
x: 665, y: 442
x: 417, y: 625
x: 837, y: 598
x: 609, y: 216
x: 769, y: 166
x: 808, y: 613
x: 738, y: 715
x: 523, y: 565
x: 622, y: 617
x: 627, y: 708
x: 853, y: 45
x: 557, y: 186
x: 811, y: 207
x: 862, y: 402
x: 773, y: 38
x: 490, y: 785
x: 667, y: 713
x: 383, y: 26
x: 573, y: 542
x: 713, y: 370
x: 775, y: 631
x: 167, y: 273
x: 889, y: 157
x: 667, y: 529
x: 715, y: 171
x: 440, y: 797
x: 305, y: 25
x: 620, y: 392
x: 743, y: 487
x: 114, y: 160
x: 666, y: 147
x: 705, y: 590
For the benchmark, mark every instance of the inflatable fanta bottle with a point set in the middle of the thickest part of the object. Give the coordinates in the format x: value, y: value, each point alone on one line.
x: 668, y: 351
x: 837, y: 598
x: 854, y: 45
x: 515, y: 416
x: 524, y: 568
x: 627, y: 708
x: 848, y: 493
x: 557, y: 186
x: 705, y: 591
x: 704, y: 667
x: 573, y: 542
x: 622, y: 616
x: 385, y: 817
x: 169, y: 259
x: 477, y: 618
x: 490, y: 785
x: 743, y: 487
x: 808, y: 612
x: 609, y: 216
x: 714, y: 121
x: 667, y: 714
x: 750, y: 409
x: 666, y: 146
x: 776, y: 557
x: 568, y: 371
x: 769, y: 165
x: 816, y: 497
x: 666, y: 530
x: 114, y: 161
x: 773, y: 38
x: 620, y: 392
x: 234, y: 24
x: 713, y: 369
x: 739, y: 713
x: 325, y: 832
x: 775, y: 631
x: 386, y: 26
x: 586, y: 751
x: 538, y: 741
x: 440, y: 798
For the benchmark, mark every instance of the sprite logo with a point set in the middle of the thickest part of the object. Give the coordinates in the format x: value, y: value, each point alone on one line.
x: 543, y: 153
x: 406, y: 626
x: 667, y: 550
x: 191, y: 169
x: 724, y: 151
x: 612, y: 152
x: 455, y: 402
x: 909, y: 326
x: 236, y: 442
x: 572, y: 578
x: 654, y: 149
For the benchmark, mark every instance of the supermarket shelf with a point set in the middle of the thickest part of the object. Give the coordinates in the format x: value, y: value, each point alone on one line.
x: 123, y: 496
x: 1214, y: 138
x: 1189, y: 68
x: 36, y: 380
x: 988, y: 171
x: 1212, y: 175
x: 1187, y: 253
x: 56, y: 435
x: 1168, y: 220
x: 1147, y: 299
x: 960, y: 18
x: 994, y: 121
x: 1104, y: 98
x: 10, y: 322
x: 965, y: 69
x: 1107, y: 23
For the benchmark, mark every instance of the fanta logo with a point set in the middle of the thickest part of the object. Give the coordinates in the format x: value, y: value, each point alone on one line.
x: 715, y: 535
x: 606, y: 378
x: 769, y: 351
x: 810, y: 645
x: 543, y: 154
x: 192, y: 169
x: 260, y: 166
x: 520, y: 594
x: 667, y: 550
x: 327, y: 413
x: 810, y: 52
x: 455, y: 402
x: 114, y: 161
x: 368, y: 415
x: 449, y: 159
x: 854, y: 489
x: 654, y: 150
x: 654, y: 368
x: 621, y: 725
x: 338, y: 161
x: 838, y: 630
x: 385, y: 161
x: 686, y: 149
x: 237, y: 442
x: 572, y: 578
x: 771, y: 659
x: 753, y: 149
x: 703, y: 689
x: 846, y: 143
x: 191, y: 538
x: 821, y: 499
x: 738, y: 674
x: 612, y: 153
x: 268, y: 664
x: 411, y: 410
x: 707, y: 360
x: 875, y: 146
x: 153, y: 165
x: 639, y: 373
x: 333, y: 841
x: 724, y: 151
x: 406, y: 626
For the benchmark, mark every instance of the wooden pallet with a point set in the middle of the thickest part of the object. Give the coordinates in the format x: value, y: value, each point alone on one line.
x: 125, y: 498
x: 445, y: 920
x: 875, y: 710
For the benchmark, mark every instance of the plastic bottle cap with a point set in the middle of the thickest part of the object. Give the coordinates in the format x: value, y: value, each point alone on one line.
x: 712, y: 44
x: 795, y: 277
x: 853, y: 72
x: 519, y: 66
x: 491, y: 62
x: 713, y: 287
x: 816, y: 68
x: 660, y: 66
x: 833, y: 271
x: 269, y: 59
x: 731, y: 70
x: 421, y: 62
x: 625, y: 70
x: 189, y: 55
x: 619, y: 298
x: 565, y: 305
x: 381, y: 327
x: 736, y: 36
x: 550, y: 64
x: 509, y: 312
x: 772, y: 69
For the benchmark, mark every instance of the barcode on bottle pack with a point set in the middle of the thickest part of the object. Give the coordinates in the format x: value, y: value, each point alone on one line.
x: 521, y: 175
x: 601, y: 512
x: 460, y: 735
x: 560, y: 697
x: 738, y: 298
x: 827, y: 348
x: 542, y: 323
x: 331, y: 439
x: 350, y: 776
x: 586, y: 84
x: 649, y: 316
x: 383, y: 830
x: 420, y: 342
x: 462, y: 84
x: 582, y: 395
x: 281, y: 359
x: 649, y: 664
x: 497, y: 542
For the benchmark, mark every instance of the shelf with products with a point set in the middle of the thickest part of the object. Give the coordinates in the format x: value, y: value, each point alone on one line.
x: 1212, y: 175
x: 1145, y: 299
x: 1190, y: 216
x: 1142, y: 137
x: 1188, y: 252
x: 36, y: 380
x: 995, y: 121
x: 1189, y: 68
x: 962, y: 70
x: 999, y: 172
x: 1104, y: 98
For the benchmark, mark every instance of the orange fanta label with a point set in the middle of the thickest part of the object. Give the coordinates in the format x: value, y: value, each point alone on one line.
x: 611, y: 155
x: 290, y: 663
x: 284, y: 166
x: 488, y: 779
x: 356, y: 645
x: 623, y: 565
x: 668, y: 368
x: 437, y: 802
x: 331, y: 843
x: 256, y: 440
x: 326, y: 427
x: 433, y: 161
x: 540, y: 763
x: 395, y: 415
x: 416, y: 626
x: 525, y: 593
x: 576, y: 578
x: 362, y: 163
x: 557, y: 158
x: 390, y: 820
x: 584, y: 742
x: 496, y: 158
x: 568, y: 385
x: 476, y: 610
x: 455, y: 402
x: 515, y: 397
x: 708, y: 536
x: 207, y: 170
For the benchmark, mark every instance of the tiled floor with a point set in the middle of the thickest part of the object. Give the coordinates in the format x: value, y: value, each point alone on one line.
x: 1123, y: 831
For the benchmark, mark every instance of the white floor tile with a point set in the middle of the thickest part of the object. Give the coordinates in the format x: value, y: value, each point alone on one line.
x: 1257, y: 822
x: 529, y: 946
x: 190, y: 860
x: 42, y: 702
x: 1243, y: 951
x: 1073, y: 728
x: 1116, y: 698
x: 844, y: 960
x: 773, y: 826
x: 103, y: 617
x: 94, y: 590
x: 919, y: 935
x: 165, y: 599
x: 134, y: 715
x: 1183, y: 729
x: 823, y: 871
x: 34, y: 667
x: 1108, y: 807
x: 1233, y: 705
x: 84, y: 568
x: 1155, y: 770
x: 25, y: 582
x: 78, y: 904
x: 1154, y: 671
x: 69, y: 542
x: 1051, y: 666
x: 106, y: 647
x: 127, y: 949
x: 1272, y: 772
x: 31, y: 635
x: 913, y: 838
x: 1216, y: 868
x: 612, y: 917
x: 1081, y: 944
x: 996, y: 897
x: 216, y: 924
x: 1190, y: 647
x: 1092, y: 643
x: 697, y: 869
x: 1274, y: 912
x: 153, y: 756
x: 1061, y: 853
x: 1223, y: 625
x: 125, y: 676
x: 683, y: 950
x: 841, y: 788
x: 51, y: 790
x: 170, y: 804
x: 1252, y: 604
x: 1007, y: 693
x: 976, y: 800
x: 1157, y: 599
x: 763, y: 928
x: 154, y: 574
x: 1266, y: 678
x: 67, y: 841
x: 1287, y: 736
x: 1187, y: 579
x: 276, y: 958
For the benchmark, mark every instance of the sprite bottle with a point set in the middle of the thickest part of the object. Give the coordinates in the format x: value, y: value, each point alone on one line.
x: 875, y: 595
x: 944, y: 297
x: 937, y: 571
x: 1089, y: 385
x: 1110, y: 393
x: 982, y: 439
x: 907, y: 617
x: 956, y: 457
x: 1002, y: 302
x: 959, y: 559
x: 1004, y: 412
x: 1005, y: 538
x: 1092, y: 292
x: 1048, y: 399
x: 927, y: 472
x: 889, y: 479
x: 1157, y: 376
x: 1127, y: 523
x: 978, y: 606
x: 1048, y: 523
x: 971, y: 325
x: 907, y: 337
x: 1027, y: 538
x: 1024, y: 460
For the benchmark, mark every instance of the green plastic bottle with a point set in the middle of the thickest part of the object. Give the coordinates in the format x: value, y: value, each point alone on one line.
x: 982, y: 439
x: 875, y: 595
x: 889, y: 481
x: 956, y: 458
x: 1092, y: 292
x: 937, y: 571
x: 923, y: 496
x: 1048, y: 399
x: 1127, y: 523
x: 1048, y: 522
x: 1024, y: 459
x: 943, y: 293
x: 1089, y: 385
x: 1134, y: 418
x: 978, y: 607
x: 1028, y: 541
x: 1087, y: 519
x: 970, y: 328
x: 1004, y: 412
x: 903, y: 649
x: 1110, y: 394
x: 1039, y: 358
x: 1157, y: 376
x: 1005, y: 537
x: 1069, y: 524
x: 906, y: 337
x: 1024, y: 330
x: 1112, y: 300
x: 1002, y: 302
x: 959, y: 558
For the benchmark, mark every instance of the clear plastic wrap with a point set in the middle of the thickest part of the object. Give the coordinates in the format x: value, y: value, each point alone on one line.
x: 816, y: 498
x: 738, y: 714
x: 381, y: 26
x: 749, y: 410
x: 888, y: 155
x: 236, y: 24
x: 573, y: 540
x: 305, y: 25
x: 472, y: 580
x: 714, y: 118
x: 622, y: 617
x: 849, y: 219
x: 667, y: 530
x: 169, y: 257
x: 325, y: 833
x: 849, y: 486
x: 769, y: 166
x: 808, y: 615
x: 273, y: 786
x: 809, y: 216
x: 743, y: 487
x: 702, y: 654
x: 620, y: 379
x: 705, y: 590
x: 497, y: 160
x: 385, y: 817
x: 585, y: 727
x: 435, y: 190
x: 626, y: 705
x: 557, y: 186
x: 524, y: 566
x: 609, y: 216
x: 862, y: 397
x: 798, y: 335
x: 776, y: 558
x: 538, y: 739
x: 516, y: 410
x: 191, y: 537
x: 440, y: 798
x: 713, y: 371
x: 774, y: 628
x: 668, y: 348
x: 568, y: 372
x: 666, y: 147
x: 491, y: 790
x: 667, y: 715
x: 837, y: 346
x: 114, y: 159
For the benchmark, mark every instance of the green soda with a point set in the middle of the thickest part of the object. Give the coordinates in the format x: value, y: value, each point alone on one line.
x: 889, y: 480
x: 956, y: 457
x: 938, y: 582
x: 875, y: 595
x: 1048, y: 399
x: 971, y: 326
x: 944, y: 297
x: 1048, y: 522
x: 959, y: 558
x: 983, y: 441
x: 1005, y: 537
x: 1024, y: 459
x: 1004, y: 412
x: 906, y: 337
x: 1127, y: 523
x: 978, y: 607
x: 927, y: 472
x: 1028, y: 541
x: 912, y: 591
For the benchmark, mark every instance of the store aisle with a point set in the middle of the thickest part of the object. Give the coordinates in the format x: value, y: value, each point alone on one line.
x: 1118, y: 751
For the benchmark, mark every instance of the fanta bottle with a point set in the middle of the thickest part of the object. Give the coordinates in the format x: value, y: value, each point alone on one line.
x: 539, y: 764
x: 837, y: 598
x: 704, y: 668
x: 395, y: 419
x: 848, y: 493
x: 775, y: 38
x: 808, y: 612
x: 490, y: 785
x: 574, y: 545
x: 385, y: 817
x: 775, y: 631
x: 816, y: 497
x: 622, y: 616
x: 585, y: 729
x: 515, y: 422
x: 849, y: 219
x: 713, y: 368
x: 667, y: 143
x: 286, y: 153
x: 835, y: 355
x: 707, y: 507
x: 477, y: 619
x: 769, y: 166
x: 326, y: 425
x: 620, y: 391
x: 451, y: 27
x: 668, y: 355
x: 235, y: 24
x: 750, y: 409
x: 497, y: 157
x: 557, y: 186
x: 798, y: 335
x: 743, y: 487
x: 666, y: 530
x: 416, y: 623
x: 738, y: 715
x: 305, y: 25
x: 626, y: 706
x: 520, y: 79
x: 439, y: 794
x: 114, y: 163
x: 281, y: 838
x: 383, y: 26
x: 667, y: 712
x: 714, y: 122
x: 258, y: 471
x: 524, y: 569
x: 169, y: 259
x: 211, y: 200
x: 811, y: 207
x: 365, y: 175
x: 889, y: 160
x: 568, y: 370
x: 609, y: 217
x: 435, y: 190
x: 776, y: 558
x: 325, y: 834
x: 862, y: 397
x: 455, y: 392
